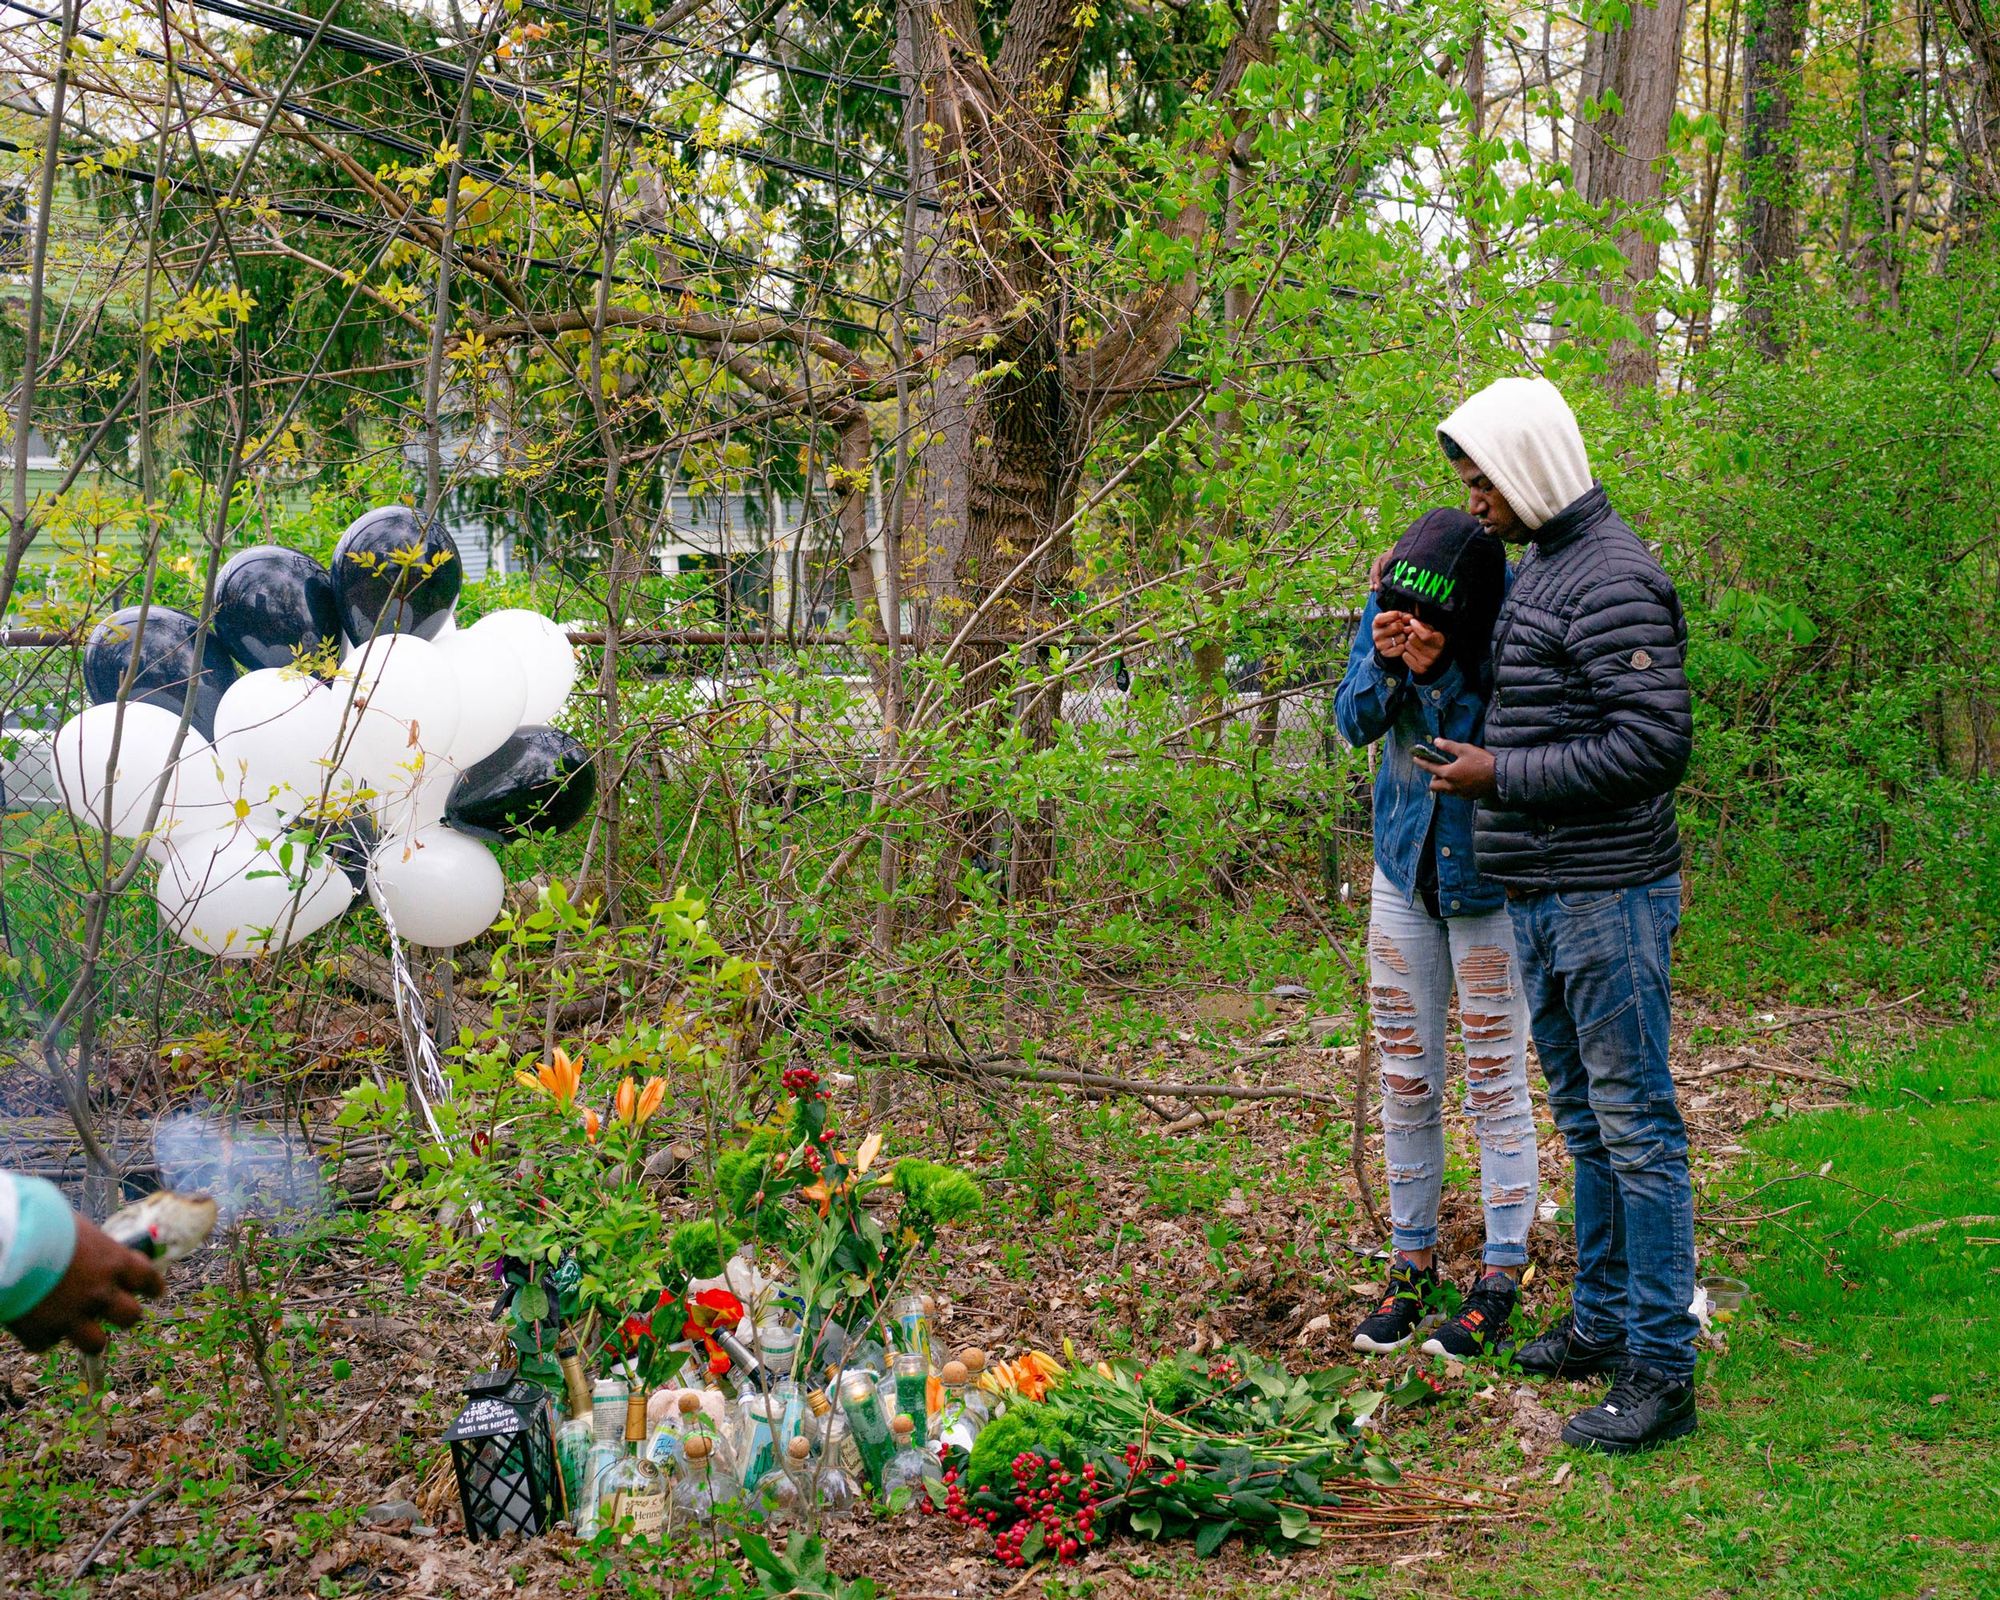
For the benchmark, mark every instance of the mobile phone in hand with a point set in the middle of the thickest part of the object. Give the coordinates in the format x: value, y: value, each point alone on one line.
x: 1424, y: 750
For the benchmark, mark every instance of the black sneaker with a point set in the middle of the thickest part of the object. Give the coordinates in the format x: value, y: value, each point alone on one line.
x: 1402, y: 1308
x: 1482, y: 1318
x: 1562, y: 1352
x: 1643, y: 1409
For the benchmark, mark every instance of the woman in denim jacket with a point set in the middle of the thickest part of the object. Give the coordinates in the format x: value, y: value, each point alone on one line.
x: 1421, y: 669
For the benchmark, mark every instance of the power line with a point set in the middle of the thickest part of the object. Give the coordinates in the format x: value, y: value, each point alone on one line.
x: 369, y: 47
x: 501, y: 179
x: 792, y: 68
x: 334, y: 216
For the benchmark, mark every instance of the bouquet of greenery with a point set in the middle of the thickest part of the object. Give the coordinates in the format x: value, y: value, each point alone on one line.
x: 1185, y: 1448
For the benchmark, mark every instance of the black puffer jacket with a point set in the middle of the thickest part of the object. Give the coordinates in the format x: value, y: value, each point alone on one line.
x: 1591, y: 725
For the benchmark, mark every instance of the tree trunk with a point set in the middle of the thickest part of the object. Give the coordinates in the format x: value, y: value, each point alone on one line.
x: 1707, y: 215
x: 1775, y: 35
x: 1007, y: 426
x: 1618, y: 158
x: 1978, y: 25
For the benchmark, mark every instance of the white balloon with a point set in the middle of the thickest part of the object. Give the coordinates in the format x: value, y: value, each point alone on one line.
x: 245, y: 890
x: 95, y: 790
x: 199, y: 799
x: 440, y: 888
x: 258, y: 699
x: 492, y: 692
x: 416, y: 798
x: 399, y: 698
x: 544, y: 652
x: 274, y: 737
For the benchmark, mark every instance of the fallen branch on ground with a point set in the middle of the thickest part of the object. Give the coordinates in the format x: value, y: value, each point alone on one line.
x: 1903, y: 1236
x: 1835, y: 1016
x: 1754, y: 1065
x: 116, y: 1526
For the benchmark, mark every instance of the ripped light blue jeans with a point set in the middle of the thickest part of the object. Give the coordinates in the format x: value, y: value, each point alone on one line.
x: 1414, y: 962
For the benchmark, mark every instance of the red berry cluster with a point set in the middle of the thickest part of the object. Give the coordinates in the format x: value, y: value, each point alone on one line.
x: 956, y: 1508
x: 1048, y: 1496
x: 1136, y: 1467
x: 1224, y: 1369
x: 815, y: 1163
x: 800, y: 1080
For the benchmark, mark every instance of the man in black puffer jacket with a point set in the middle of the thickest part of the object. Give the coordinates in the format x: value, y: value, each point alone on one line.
x: 1589, y: 730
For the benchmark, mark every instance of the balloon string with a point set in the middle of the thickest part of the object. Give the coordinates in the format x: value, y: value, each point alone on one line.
x: 427, y: 1079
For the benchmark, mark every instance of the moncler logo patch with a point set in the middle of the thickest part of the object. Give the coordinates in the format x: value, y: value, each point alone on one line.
x: 1641, y: 660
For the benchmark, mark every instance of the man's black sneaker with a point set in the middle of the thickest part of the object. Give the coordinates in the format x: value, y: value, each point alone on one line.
x: 1482, y: 1318
x: 1562, y: 1352
x: 1402, y: 1308
x: 1644, y: 1408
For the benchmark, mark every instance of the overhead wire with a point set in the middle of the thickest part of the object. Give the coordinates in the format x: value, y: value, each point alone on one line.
x: 487, y: 173
x: 334, y: 216
x: 276, y: 19
x: 844, y: 80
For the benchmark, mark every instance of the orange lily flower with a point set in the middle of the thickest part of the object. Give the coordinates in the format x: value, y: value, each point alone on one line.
x: 558, y: 1079
x: 634, y: 1106
x: 591, y: 1123
x: 649, y: 1099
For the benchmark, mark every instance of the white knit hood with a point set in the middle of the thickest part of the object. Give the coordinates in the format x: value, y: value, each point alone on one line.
x: 1522, y: 434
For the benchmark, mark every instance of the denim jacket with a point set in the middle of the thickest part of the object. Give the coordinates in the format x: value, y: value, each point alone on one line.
x: 1373, y: 702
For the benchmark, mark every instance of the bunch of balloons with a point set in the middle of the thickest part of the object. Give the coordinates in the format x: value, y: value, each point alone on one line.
x: 366, y: 742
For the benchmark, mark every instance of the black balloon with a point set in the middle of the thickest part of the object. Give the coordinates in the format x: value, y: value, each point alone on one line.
x: 540, y: 781
x: 381, y: 588
x: 272, y: 604
x: 167, y: 660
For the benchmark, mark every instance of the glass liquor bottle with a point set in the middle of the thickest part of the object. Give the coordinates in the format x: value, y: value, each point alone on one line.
x: 633, y: 1489
x: 607, y: 1403
x: 696, y: 1420
x: 818, y: 1426
x: 787, y: 1491
x: 911, y: 1464
x: 576, y: 1383
x: 575, y: 1440
x: 912, y: 1328
x: 755, y: 1436
x: 866, y: 1423
x: 837, y: 1486
x: 983, y: 1405
x: 704, y: 1485
x: 957, y: 1424
x: 663, y: 1444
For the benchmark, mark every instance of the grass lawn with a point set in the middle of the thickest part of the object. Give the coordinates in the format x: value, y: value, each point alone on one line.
x: 1850, y: 1438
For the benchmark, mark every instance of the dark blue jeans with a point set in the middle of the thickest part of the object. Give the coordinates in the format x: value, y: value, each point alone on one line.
x: 1595, y: 964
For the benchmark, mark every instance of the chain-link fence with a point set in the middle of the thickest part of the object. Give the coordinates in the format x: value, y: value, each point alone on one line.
x: 752, y: 767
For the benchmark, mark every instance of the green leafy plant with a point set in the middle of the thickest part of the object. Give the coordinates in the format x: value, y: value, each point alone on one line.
x: 551, y: 1154
x: 790, y: 1182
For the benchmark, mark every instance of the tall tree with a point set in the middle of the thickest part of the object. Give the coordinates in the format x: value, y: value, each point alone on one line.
x: 1775, y: 35
x: 1978, y: 24
x: 1631, y: 73
x: 1011, y: 421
